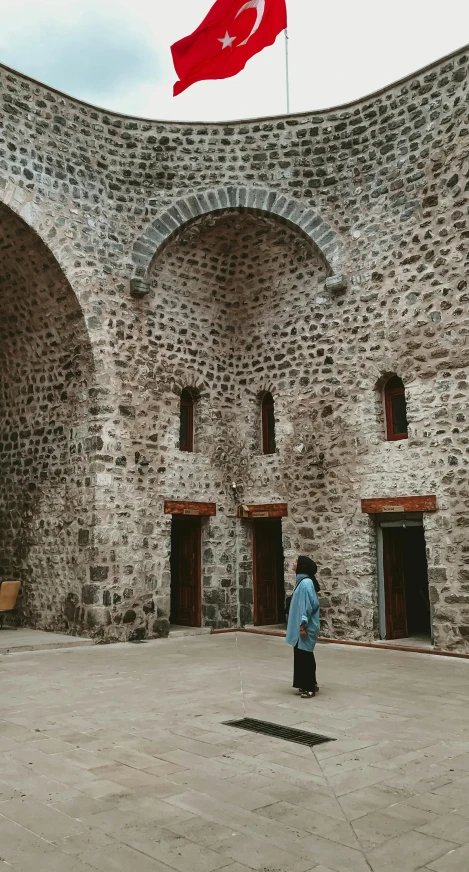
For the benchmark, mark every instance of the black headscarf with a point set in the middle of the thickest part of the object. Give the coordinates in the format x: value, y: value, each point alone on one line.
x: 306, y: 566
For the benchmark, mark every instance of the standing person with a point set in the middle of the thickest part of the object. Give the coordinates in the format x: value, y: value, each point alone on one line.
x: 303, y: 626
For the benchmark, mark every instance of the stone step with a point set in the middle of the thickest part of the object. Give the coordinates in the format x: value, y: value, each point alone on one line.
x: 270, y: 629
x: 14, y: 641
x: 176, y: 631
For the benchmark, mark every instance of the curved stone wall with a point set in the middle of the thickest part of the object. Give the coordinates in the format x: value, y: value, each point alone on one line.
x: 117, y: 199
x: 46, y: 494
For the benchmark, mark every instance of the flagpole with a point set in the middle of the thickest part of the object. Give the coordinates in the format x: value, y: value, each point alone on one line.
x: 287, y: 71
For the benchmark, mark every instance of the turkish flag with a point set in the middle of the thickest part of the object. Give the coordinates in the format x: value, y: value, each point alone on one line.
x: 232, y: 32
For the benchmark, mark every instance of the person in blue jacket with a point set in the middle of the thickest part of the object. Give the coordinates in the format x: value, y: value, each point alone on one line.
x: 303, y: 626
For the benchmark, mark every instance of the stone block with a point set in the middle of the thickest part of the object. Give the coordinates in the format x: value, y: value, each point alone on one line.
x: 129, y: 616
x: 139, y: 287
x: 336, y: 283
x: 99, y: 573
x: 90, y: 594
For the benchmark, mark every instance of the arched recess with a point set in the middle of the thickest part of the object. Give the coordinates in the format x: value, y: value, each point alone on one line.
x: 46, y: 376
x: 258, y: 201
x: 235, y: 313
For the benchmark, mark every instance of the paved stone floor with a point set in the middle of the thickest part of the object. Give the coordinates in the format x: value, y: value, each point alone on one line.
x: 114, y: 758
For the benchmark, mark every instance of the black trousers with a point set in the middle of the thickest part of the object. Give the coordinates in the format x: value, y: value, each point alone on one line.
x: 304, y: 669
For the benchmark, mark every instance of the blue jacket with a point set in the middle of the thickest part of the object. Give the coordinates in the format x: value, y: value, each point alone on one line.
x: 304, y: 607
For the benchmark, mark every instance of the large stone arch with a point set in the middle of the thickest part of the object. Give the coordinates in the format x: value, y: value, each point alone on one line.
x: 232, y: 309
x: 22, y: 202
x: 260, y: 201
x: 47, y: 374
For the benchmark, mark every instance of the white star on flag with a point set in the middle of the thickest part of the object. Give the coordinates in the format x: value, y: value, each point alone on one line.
x: 227, y: 41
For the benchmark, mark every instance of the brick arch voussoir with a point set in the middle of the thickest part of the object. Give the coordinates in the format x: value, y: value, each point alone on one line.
x: 256, y: 393
x: 192, y: 382
x: 260, y: 201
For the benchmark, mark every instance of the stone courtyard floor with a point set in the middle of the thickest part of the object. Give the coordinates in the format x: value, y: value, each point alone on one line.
x: 115, y: 758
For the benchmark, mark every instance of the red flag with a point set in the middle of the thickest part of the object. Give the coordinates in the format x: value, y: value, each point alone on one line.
x: 232, y: 32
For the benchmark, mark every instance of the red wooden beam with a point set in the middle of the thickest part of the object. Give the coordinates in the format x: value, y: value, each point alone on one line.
x: 381, y: 505
x: 264, y: 510
x: 182, y: 507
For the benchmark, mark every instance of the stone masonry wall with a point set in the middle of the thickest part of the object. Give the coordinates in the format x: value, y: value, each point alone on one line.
x: 379, y: 191
x: 46, y: 371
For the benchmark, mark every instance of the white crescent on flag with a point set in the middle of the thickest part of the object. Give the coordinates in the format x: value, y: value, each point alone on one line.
x: 259, y: 6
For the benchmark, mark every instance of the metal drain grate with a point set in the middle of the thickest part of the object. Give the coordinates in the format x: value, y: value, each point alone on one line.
x: 289, y: 734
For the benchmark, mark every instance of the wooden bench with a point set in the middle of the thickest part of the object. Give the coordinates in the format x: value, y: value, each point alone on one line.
x: 9, y: 591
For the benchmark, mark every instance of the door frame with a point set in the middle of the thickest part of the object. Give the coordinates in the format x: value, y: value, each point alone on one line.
x: 266, y: 521
x: 254, y: 576
x: 404, y: 522
x: 180, y: 521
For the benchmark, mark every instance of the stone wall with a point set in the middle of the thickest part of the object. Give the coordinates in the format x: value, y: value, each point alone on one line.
x: 235, y: 229
x: 46, y: 493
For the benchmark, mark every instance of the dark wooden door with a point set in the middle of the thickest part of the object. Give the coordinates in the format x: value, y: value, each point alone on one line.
x: 267, y: 571
x: 185, y: 572
x: 416, y: 581
x: 394, y: 583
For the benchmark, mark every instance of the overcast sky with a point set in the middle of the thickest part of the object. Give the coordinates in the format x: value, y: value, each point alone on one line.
x: 115, y: 53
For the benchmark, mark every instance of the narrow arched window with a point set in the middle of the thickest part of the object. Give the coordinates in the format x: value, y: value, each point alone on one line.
x: 395, y: 407
x: 268, y: 424
x: 186, y: 422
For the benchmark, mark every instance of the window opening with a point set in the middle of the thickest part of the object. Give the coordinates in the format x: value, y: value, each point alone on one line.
x: 268, y: 425
x: 396, y: 410
x: 186, y: 422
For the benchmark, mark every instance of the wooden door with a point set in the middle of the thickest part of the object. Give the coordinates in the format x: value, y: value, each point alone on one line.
x: 267, y: 545
x: 185, y: 572
x: 416, y: 578
x: 394, y: 583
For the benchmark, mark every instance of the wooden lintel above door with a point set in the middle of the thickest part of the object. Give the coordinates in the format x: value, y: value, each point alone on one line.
x: 382, y: 505
x: 182, y: 507
x: 265, y: 510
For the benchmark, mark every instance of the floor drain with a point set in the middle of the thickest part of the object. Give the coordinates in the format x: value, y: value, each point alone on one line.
x: 289, y: 734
